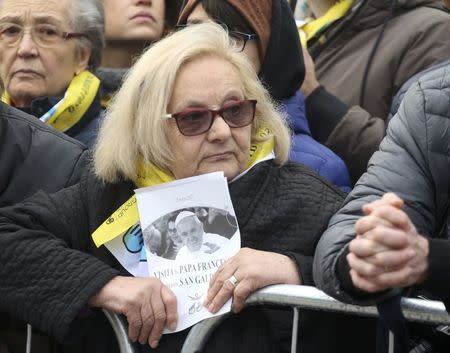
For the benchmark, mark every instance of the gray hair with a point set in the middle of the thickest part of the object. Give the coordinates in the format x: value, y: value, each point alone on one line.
x: 87, y: 17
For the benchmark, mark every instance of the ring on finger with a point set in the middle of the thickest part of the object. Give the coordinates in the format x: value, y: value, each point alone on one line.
x: 233, y: 280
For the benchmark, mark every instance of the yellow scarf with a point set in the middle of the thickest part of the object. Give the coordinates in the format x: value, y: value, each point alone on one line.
x: 127, y: 215
x: 310, y: 29
x: 71, y: 108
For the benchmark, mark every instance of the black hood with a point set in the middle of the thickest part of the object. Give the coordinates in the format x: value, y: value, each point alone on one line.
x: 283, y: 69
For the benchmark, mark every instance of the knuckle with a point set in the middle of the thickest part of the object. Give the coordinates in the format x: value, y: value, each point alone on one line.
x: 171, y: 300
x: 134, y: 321
x: 148, y: 316
x: 160, y: 316
x: 378, y: 232
x: 409, y: 274
x: 240, y: 295
x: 370, y: 269
x: 228, y: 286
x: 379, y: 260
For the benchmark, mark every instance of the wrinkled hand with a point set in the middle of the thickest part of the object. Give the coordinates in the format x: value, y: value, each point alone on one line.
x: 310, y: 82
x: 147, y: 304
x: 387, y: 251
x: 253, y: 269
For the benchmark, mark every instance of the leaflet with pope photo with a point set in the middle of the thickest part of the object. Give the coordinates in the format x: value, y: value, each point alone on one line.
x: 189, y: 229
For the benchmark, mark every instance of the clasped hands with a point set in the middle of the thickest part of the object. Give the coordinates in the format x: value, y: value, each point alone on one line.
x: 387, y: 251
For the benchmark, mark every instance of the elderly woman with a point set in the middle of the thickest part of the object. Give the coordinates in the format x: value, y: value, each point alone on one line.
x: 48, y: 49
x: 208, y: 113
x: 268, y: 35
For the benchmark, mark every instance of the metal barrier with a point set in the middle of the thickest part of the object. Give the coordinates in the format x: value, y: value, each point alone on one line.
x: 120, y: 327
x: 310, y: 297
x: 417, y: 310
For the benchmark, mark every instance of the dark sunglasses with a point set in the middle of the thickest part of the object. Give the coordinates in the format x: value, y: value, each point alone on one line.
x: 241, y: 38
x: 197, y: 121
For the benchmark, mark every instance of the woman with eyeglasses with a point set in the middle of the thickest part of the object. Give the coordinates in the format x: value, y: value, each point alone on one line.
x: 266, y: 32
x: 210, y: 113
x: 47, y: 58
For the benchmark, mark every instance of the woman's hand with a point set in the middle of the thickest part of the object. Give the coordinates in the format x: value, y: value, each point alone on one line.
x: 253, y: 269
x: 146, y: 302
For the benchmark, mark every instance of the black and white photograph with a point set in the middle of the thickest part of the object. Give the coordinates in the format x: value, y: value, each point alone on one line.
x: 188, y: 232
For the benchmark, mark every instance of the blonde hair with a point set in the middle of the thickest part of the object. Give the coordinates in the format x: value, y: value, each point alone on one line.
x: 134, y: 127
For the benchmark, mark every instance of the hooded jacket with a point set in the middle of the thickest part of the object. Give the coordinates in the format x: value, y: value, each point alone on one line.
x: 282, y: 72
x: 415, y: 37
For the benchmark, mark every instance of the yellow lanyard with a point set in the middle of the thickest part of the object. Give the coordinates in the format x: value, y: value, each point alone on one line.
x: 71, y: 108
x: 311, y: 29
x: 127, y: 214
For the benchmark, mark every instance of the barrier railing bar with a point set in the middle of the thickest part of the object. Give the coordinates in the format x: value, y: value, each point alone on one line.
x: 312, y: 298
x: 426, y: 311
x: 120, y: 326
x: 294, y: 330
x: 288, y: 295
x: 204, y: 331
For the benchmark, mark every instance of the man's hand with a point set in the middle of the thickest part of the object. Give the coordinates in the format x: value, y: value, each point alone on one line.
x: 387, y: 251
x: 146, y: 302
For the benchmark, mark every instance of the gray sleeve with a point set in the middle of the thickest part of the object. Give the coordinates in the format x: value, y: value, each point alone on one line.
x: 400, y: 166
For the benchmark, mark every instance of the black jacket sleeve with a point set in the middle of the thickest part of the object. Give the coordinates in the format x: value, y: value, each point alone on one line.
x: 324, y: 112
x: 438, y: 280
x: 46, y: 276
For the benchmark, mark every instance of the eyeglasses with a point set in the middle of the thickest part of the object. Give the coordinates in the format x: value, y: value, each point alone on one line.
x: 44, y: 35
x: 240, y: 38
x: 196, y: 121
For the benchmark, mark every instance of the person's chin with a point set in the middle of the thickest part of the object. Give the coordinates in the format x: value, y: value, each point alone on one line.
x: 144, y: 32
x: 24, y: 92
x: 229, y: 165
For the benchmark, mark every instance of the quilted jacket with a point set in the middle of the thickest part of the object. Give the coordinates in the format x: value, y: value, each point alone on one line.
x: 414, y: 162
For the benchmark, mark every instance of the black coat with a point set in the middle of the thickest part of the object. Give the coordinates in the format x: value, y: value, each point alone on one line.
x: 284, y: 210
x: 34, y: 156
